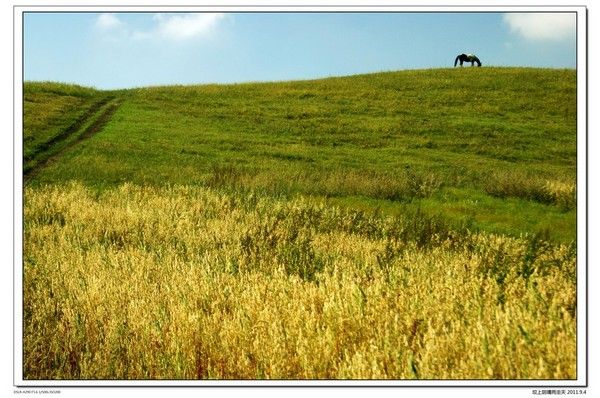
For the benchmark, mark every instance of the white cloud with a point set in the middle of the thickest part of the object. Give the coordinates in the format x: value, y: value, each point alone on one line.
x: 542, y: 26
x: 187, y: 26
x: 173, y: 27
x: 108, y: 21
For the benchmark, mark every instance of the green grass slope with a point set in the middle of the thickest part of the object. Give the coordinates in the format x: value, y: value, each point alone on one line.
x: 49, y: 109
x: 53, y: 112
x: 490, y: 148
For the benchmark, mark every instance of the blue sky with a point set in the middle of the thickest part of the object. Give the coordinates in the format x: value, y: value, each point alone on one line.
x: 120, y: 50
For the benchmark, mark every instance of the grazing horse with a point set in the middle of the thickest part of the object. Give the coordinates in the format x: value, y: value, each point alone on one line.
x: 467, y: 58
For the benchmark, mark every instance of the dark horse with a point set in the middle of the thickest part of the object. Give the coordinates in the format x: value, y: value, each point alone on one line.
x: 467, y: 58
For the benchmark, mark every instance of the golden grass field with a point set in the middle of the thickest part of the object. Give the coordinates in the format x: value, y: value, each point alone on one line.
x: 186, y: 282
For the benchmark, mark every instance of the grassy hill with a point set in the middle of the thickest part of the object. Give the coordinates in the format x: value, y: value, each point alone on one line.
x: 402, y: 225
x: 493, y: 148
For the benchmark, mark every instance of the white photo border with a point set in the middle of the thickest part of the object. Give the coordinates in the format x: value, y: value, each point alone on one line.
x: 582, y: 205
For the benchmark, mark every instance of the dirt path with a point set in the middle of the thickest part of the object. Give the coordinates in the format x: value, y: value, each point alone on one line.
x: 95, y: 127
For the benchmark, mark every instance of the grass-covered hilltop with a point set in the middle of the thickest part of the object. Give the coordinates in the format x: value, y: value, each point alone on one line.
x: 492, y: 147
x: 400, y: 225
